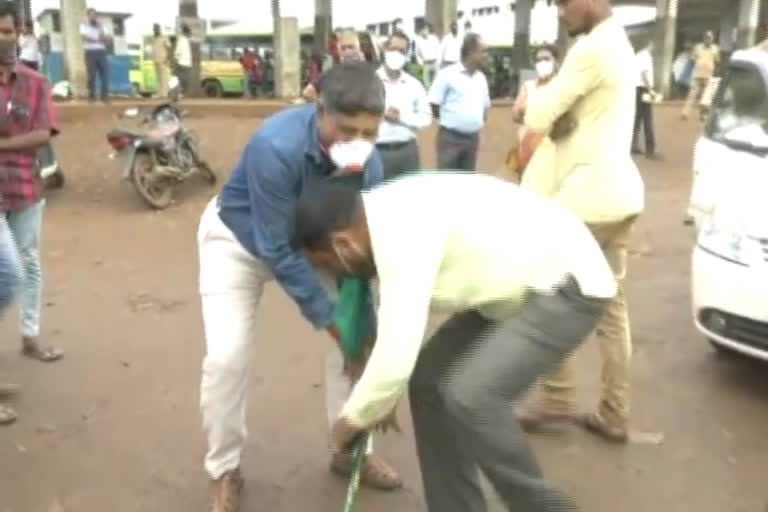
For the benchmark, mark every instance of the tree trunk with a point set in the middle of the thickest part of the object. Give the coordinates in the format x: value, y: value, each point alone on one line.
x: 72, y: 14
x: 188, y: 9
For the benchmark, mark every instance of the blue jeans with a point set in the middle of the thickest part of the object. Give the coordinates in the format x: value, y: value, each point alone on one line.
x: 10, y: 268
x: 26, y: 225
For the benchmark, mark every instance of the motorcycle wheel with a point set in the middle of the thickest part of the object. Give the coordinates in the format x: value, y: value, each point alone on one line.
x: 158, y: 193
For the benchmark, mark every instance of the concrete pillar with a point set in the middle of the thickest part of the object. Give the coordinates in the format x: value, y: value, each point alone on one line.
x: 522, y: 45
x: 287, y: 54
x: 72, y: 15
x: 749, y: 19
x: 664, y: 44
x: 441, y: 13
x: 323, y: 25
x: 188, y: 9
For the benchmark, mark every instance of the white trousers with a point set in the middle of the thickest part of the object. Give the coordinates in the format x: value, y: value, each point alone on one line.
x: 231, y: 285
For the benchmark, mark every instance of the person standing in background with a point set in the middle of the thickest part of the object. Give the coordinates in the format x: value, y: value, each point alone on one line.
x: 96, y: 62
x: 682, y: 70
x: 427, y: 52
x: 349, y: 50
x: 460, y: 99
x: 706, y: 57
x: 450, y: 48
x: 645, y: 96
x: 29, y: 47
x: 407, y: 111
x: 591, y: 98
x: 183, y: 57
x: 161, y: 53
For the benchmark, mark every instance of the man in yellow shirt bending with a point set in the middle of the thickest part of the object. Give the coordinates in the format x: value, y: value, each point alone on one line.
x: 522, y: 296
x: 588, y: 111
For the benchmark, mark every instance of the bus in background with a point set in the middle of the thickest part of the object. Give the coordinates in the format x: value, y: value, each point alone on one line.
x: 220, y: 68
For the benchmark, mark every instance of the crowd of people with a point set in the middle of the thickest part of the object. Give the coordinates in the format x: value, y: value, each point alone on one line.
x: 326, y: 191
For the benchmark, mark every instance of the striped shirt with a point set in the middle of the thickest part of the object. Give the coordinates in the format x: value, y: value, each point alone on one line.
x: 25, y: 106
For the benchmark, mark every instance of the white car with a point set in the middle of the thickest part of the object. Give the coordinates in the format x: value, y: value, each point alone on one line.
x: 729, y: 207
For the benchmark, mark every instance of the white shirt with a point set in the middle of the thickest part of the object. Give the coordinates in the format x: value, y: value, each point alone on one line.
x: 29, y: 48
x: 90, y: 32
x: 428, y: 48
x: 644, y: 63
x: 463, y: 98
x: 183, y: 51
x: 407, y: 95
x: 449, y: 242
x: 450, y: 50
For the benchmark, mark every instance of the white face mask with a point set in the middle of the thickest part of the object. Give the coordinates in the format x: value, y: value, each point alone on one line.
x: 394, y: 60
x: 545, y: 68
x: 351, y: 155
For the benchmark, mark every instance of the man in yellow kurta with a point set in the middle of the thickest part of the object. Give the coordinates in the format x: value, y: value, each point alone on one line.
x: 588, y: 111
x: 161, y: 52
x: 706, y: 57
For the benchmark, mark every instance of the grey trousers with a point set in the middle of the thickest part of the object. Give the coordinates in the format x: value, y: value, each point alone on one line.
x: 456, y: 151
x: 461, y: 391
x: 399, y: 158
x: 97, y: 66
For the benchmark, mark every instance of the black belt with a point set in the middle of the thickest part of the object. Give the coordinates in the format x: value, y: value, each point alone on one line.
x: 460, y: 134
x: 390, y: 146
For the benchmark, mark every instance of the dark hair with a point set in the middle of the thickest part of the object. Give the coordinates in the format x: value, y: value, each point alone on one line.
x: 8, y: 8
x: 552, y: 49
x: 400, y: 35
x: 327, y: 208
x: 353, y: 87
x: 186, y: 30
x: 471, y: 43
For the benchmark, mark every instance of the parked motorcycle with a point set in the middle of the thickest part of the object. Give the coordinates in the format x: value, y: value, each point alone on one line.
x: 161, y: 157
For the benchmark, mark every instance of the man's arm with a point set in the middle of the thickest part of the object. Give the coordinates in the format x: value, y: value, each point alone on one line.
x: 487, y: 100
x: 437, y: 93
x: 406, y: 280
x: 271, y: 190
x: 421, y: 115
x: 580, y: 74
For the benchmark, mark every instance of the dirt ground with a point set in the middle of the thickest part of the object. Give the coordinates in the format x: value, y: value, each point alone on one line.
x: 115, y: 426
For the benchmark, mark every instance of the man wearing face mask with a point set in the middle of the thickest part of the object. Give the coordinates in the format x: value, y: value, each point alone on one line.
x: 244, y: 242
x: 519, y: 304
x: 407, y: 111
x: 26, y: 126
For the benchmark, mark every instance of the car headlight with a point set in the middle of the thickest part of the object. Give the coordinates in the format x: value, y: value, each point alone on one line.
x: 729, y: 243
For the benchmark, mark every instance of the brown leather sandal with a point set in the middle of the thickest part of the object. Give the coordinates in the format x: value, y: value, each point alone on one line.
x: 376, y: 473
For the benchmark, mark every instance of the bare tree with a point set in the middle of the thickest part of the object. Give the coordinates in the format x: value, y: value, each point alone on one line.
x: 188, y: 9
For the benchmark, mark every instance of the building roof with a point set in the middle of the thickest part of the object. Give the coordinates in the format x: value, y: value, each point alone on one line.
x: 118, y: 15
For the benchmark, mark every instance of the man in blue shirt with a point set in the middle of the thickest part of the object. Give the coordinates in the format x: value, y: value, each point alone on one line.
x: 245, y: 241
x: 460, y: 100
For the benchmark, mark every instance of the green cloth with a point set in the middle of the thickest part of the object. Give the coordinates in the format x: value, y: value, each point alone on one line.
x: 352, y: 315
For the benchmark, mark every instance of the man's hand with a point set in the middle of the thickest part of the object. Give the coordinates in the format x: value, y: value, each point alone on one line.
x: 389, y: 422
x: 392, y: 114
x: 563, y: 127
x: 342, y: 434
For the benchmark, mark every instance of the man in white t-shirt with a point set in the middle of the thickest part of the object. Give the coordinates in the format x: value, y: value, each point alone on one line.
x: 644, y: 102
x: 183, y: 56
x: 450, y: 47
x: 97, y: 65
x: 427, y: 53
x: 29, y: 46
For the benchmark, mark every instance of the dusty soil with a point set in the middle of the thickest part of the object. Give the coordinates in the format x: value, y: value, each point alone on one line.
x: 115, y: 425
